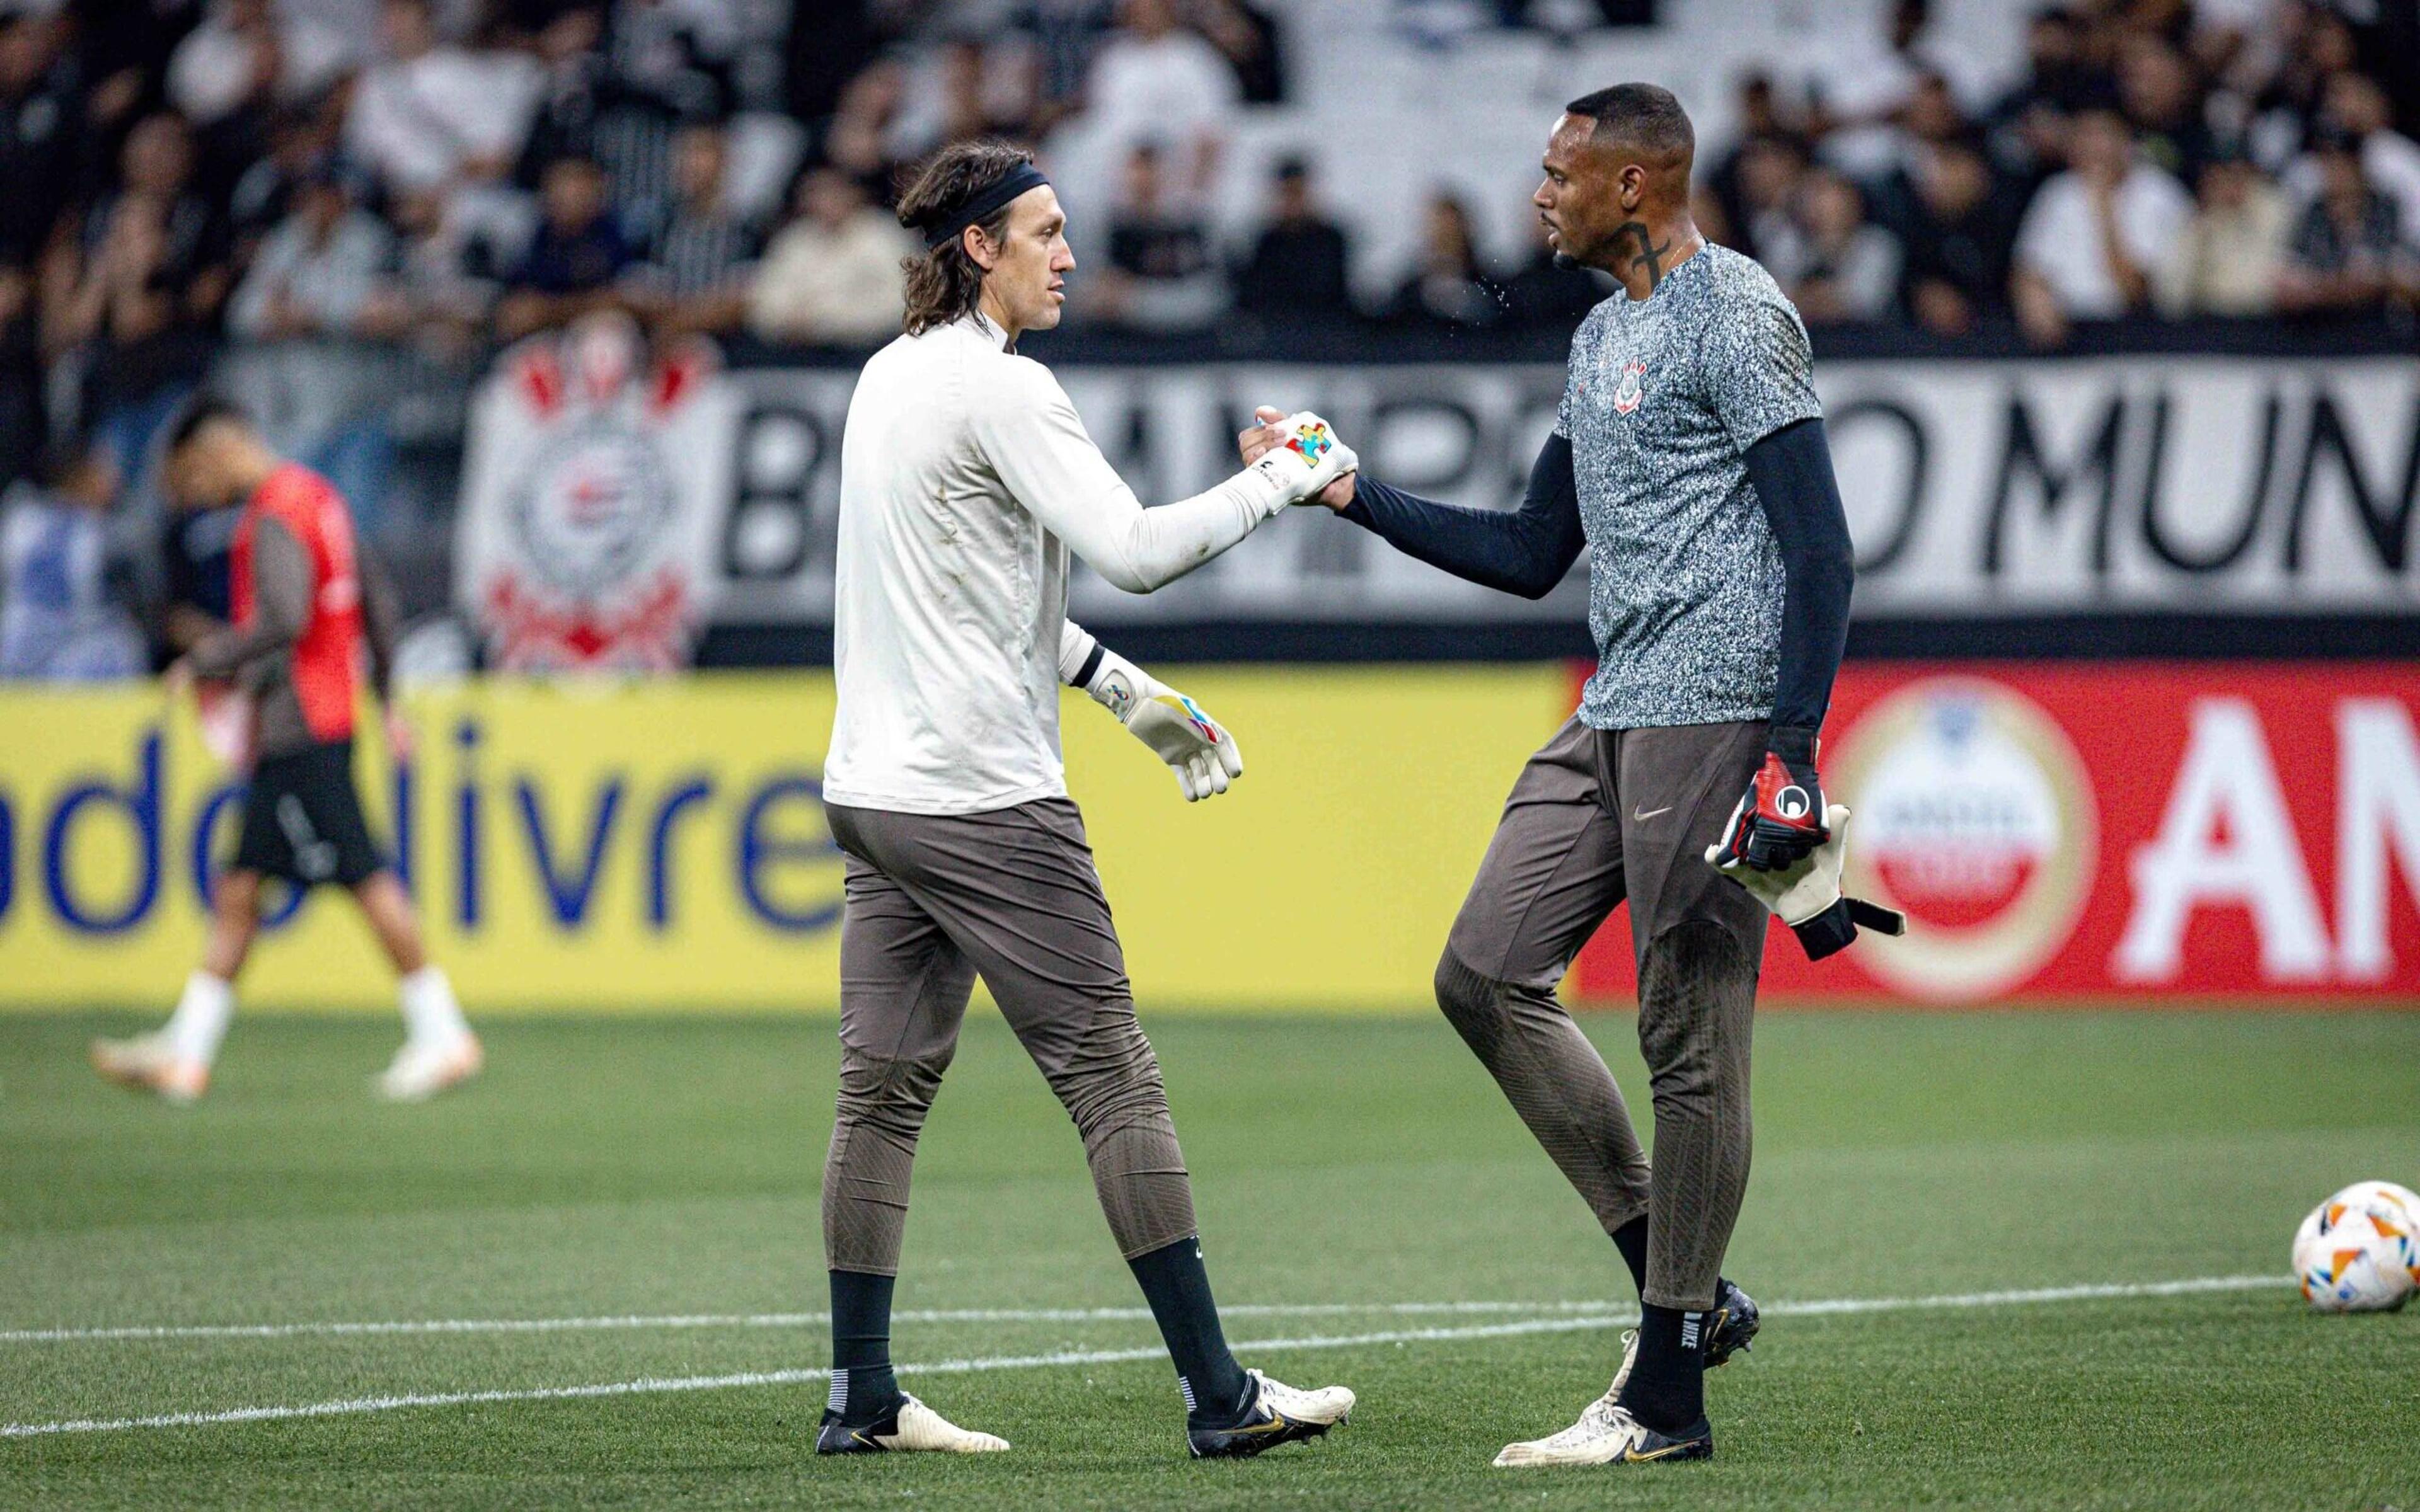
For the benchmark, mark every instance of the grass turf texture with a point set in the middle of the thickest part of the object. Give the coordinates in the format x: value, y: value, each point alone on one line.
x: 658, y: 1167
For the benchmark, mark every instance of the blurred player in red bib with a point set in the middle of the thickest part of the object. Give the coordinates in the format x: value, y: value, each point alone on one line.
x: 283, y: 681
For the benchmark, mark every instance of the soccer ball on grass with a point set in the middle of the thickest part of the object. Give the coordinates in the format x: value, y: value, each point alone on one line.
x: 2359, y: 1251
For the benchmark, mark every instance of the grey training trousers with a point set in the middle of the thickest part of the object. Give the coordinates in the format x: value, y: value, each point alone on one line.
x: 1596, y: 818
x: 932, y: 902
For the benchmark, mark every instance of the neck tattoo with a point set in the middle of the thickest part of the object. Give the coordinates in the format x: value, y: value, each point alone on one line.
x: 1649, y: 255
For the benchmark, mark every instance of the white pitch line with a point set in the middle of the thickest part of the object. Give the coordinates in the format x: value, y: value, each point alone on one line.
x: 651, y: 1385
x: 681, y: 1320
x: 1089, y: 1315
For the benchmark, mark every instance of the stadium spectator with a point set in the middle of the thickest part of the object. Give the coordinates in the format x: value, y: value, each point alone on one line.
x: 833, y: 275
x: 38, y: 118
x: 1770, y: 171
x: 1833, y: 263
x: 136, y: 288
x: 1447, y: 287
x: 575, y: 258
x: 431, y: 114
x: 1161, y: 275
x: 2164, y: 104
x: 1758, y: 116
x: 2029, y: 123
x: 2355, y: 109
x: 2346, y: 251
x: 1959, y: 229
x: 964, y: 94
x: 2094, y: 233
x: 249, y: 56
x: 445, y: 282
x: 1868, y: 87
x: 1250, y: 40
x: 21, y: 372
x: 859, y: 138
x: 2228, y: 259
x: 297, y: 146
x: 318, y: 272
x: 1156, y: 80
x: 2318, y: 47
x: 1064, y: 35
x: 1298, y: 266
x: 698, y: 263
x: 677, y: 53
x: 582, y: 111
x: 61, y: 618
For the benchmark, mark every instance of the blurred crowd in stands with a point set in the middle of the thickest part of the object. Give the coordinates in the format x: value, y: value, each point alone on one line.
x: 436, y: 176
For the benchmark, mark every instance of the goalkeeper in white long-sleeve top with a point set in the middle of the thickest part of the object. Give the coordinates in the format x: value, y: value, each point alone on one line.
x: 965, y: 480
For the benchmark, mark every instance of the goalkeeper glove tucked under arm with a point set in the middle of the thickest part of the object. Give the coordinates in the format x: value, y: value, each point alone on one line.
x: 1807, y: 896
x: 1196, y: 747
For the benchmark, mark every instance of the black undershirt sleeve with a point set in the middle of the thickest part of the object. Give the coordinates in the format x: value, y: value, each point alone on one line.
x: 1791, y: 470
x: 1525, y: 551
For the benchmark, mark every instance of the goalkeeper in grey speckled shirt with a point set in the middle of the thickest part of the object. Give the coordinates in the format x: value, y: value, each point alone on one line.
x: 1689, y: 462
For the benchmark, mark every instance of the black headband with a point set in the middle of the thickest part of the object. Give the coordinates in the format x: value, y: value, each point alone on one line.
x: 984, y: 201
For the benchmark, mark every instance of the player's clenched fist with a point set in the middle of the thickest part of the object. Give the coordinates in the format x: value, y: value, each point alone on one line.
x: 1779, y: 820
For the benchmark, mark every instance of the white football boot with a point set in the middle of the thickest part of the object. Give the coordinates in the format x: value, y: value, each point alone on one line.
x: 421, y: 1069
x: 1276, y: 1413
x: 147, y: 1063
x: 1606, y: 1434
x: 913, y: 1429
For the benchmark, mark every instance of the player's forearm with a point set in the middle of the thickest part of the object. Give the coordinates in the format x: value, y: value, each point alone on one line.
x: 1141, y: 549
x: 1526, y: 552
x: 1791, y: 471
x: 281, y: 604
x: 380, y: 617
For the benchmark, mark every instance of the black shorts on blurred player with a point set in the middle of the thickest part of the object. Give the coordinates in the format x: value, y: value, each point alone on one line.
x: 302, y: 820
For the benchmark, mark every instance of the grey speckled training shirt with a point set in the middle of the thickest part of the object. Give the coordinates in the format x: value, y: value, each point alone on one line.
x: 1662, y: 401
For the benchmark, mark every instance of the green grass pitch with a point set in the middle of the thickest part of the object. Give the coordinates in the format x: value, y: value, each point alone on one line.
x: 639, y: 1169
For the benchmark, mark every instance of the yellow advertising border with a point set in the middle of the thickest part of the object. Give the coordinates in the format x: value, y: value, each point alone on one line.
x: 659, y: 847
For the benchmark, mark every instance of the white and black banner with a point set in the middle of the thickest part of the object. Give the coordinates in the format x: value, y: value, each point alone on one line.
x: 1975, y: 489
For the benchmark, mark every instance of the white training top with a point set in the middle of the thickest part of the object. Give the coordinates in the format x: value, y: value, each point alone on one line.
x: 965, y: 479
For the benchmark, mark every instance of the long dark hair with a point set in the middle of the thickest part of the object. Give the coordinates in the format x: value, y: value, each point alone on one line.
x: 944, y: 284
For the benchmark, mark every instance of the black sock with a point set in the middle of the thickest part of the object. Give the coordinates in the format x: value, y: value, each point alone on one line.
x: 1178, y: 1289
x: 1666, y: 1390
x: 1631, y: 1238
x: 862, y: 1387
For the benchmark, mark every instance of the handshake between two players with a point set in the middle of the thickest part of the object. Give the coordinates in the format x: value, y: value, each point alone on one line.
x: 1688, y: 462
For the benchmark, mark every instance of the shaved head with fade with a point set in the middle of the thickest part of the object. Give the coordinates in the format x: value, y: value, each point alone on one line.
x: 1643, y: 119
x: 1615, y: 193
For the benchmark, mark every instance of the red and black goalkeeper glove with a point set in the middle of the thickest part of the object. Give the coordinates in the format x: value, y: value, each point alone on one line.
x: 1779, y: 820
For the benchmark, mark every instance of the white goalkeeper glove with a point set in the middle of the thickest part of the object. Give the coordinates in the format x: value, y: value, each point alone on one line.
x: 1807, y: 895
x: 1196, y: 747
x: 1307, y: 458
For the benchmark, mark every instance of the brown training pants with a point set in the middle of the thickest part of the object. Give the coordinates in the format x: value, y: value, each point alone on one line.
x: 933, y: 901
x: 1596, y: 818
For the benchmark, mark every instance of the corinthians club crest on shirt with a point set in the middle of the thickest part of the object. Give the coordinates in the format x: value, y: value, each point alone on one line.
x: 589, y: 501
x: 1631, y: 390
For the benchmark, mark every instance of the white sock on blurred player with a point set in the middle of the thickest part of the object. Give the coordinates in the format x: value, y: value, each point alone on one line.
x: 430, y: 1015
x: 200, y: 1021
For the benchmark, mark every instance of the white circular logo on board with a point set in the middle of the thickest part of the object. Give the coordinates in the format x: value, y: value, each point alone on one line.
x: 1975, y: 816
x: 590, y: 508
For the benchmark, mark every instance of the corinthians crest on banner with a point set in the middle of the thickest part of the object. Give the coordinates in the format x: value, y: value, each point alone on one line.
x: 592, y: 493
